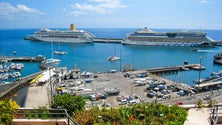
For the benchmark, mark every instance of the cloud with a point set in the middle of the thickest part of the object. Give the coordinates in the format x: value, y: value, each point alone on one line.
x: 8, y: 11
x: 203, y: 1
x: 96, y: 6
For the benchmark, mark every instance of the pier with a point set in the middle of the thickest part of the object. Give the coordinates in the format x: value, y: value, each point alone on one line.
x: 9, y: 89
x: 22, y: 58
x: 107, y: 40
x: 167, y: 69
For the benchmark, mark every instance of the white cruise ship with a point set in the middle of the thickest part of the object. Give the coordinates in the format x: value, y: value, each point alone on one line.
x: 181, y: 38
x: 69, y: 36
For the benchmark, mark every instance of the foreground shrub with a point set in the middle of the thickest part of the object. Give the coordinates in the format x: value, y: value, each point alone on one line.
x: 69, y: 102
x: 7, y: 110
x: 141, y: 114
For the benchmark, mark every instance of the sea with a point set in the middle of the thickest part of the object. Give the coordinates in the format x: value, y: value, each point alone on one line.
x: 93, y: 57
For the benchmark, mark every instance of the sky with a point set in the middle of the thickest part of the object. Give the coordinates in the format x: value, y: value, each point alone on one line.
x: 163, y: 14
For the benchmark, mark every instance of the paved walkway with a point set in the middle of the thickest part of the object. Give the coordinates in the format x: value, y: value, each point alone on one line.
x: 37, y: 96
x: 197, y: 116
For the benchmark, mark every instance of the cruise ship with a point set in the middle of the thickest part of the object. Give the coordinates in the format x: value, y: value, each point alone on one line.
x: 69, y: 36
x: 181, y: 38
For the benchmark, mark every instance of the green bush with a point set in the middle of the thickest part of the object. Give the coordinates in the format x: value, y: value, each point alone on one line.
x: 141, y: 114
x: 7, y: 110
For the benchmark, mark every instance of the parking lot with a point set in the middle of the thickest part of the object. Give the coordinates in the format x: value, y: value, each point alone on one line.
x: 133, y: 90
x: 128, y: 88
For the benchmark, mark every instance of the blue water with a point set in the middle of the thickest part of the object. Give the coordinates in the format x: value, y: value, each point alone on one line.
x: 93, y: 57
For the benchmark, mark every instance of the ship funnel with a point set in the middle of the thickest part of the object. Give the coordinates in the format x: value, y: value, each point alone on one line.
x: 72, y: 27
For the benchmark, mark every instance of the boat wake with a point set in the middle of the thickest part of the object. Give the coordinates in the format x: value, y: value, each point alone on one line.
x: 210, y: 51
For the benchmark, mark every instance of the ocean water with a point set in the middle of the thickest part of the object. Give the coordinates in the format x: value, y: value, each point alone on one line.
x: 93, y: 57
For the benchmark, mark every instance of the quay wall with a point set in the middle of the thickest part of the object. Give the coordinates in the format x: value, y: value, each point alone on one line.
x: 21, y: 59
x: 8, y: 89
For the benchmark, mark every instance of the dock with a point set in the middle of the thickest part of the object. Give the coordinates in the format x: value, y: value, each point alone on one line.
x: 107, y: 40
x: 167, y: 69
x: 21, y: 59
x: 209, y: 84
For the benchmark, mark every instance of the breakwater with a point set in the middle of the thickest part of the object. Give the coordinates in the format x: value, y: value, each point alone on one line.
x: 22, y: 58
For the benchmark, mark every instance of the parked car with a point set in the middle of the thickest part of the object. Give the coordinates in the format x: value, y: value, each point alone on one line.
x: 119, y: 98
x: 181, y: 93
x: 206, y: 97
x: 123, y: 102
x: 132, y: 102
x: 161, y: 86
x: 179, y: 103
x: 102, y: 96
x: 164, y: 91
x: 151, y: 94
x: 165, y: 96
x: 93, y: 97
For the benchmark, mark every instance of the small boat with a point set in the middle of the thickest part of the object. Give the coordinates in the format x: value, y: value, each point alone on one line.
x: 218, y: 56
x: 218, y: 61
x: 113, y: 91
x: 14, y: 52
x: 60, y: 52
x: 198, y: 67
x: 195, y: 49
x: 86, y: 74
x: 52, y: 60
x: 112, y: 71
x: 113, y: 58
x: 48, y: 61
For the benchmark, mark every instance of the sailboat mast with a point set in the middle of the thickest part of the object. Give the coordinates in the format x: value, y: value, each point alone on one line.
x: 52, y: 49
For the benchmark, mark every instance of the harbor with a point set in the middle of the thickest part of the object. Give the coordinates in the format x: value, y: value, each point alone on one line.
x: 120, y: 40
x: 93, y: 58
x: 136, y: 83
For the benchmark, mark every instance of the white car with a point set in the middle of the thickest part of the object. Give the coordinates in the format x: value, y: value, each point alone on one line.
x: 123, y: 102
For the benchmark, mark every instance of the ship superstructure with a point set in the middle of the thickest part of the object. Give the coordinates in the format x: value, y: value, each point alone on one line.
x: 70, y: 36
x: 181, y: 38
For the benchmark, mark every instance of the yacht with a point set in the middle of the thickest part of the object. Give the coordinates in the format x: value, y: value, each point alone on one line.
x: 70, y: 36
x: 60, y: 52
x: 113, y: 58
x: 48, y: 61
x: 181, y: 38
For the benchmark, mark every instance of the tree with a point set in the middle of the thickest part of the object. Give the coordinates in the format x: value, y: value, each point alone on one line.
x: 69, y: 102
x: 7, y: 110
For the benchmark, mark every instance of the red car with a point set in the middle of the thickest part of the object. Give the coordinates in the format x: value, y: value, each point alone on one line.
x: 179, y: 103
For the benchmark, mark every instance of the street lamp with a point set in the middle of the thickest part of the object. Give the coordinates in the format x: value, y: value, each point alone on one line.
x: 50, y: 83
x: 200, y: 70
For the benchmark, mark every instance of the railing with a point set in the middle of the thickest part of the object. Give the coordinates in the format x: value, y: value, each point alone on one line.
x: 45, y: 114
x: 215, y: 112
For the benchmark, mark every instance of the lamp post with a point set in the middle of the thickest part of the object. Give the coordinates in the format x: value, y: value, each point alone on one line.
x: 50, y: 83
x: 199, y: 70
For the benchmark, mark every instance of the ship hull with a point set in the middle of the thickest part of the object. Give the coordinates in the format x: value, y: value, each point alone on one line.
x: 148, y: 43
x: 65, y: 40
